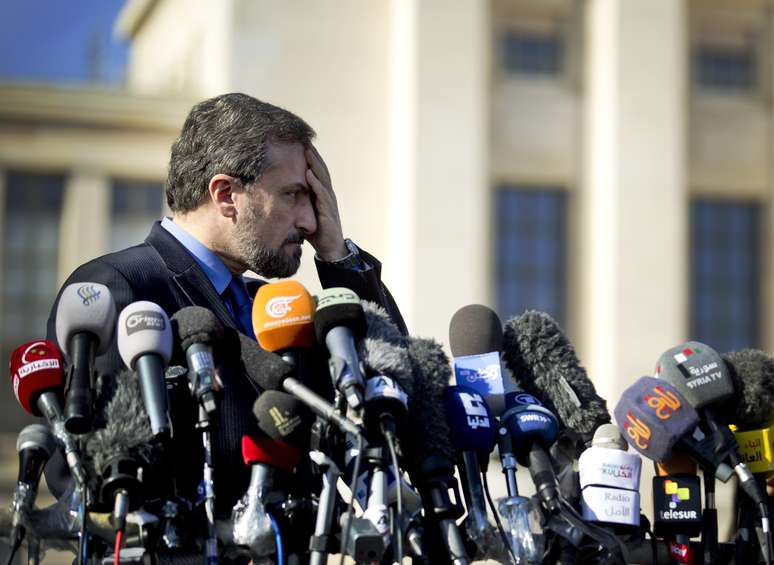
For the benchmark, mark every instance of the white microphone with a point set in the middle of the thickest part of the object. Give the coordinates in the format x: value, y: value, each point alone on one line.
x: 145, y: 346
x: 610, y: 479
x: 85, y: 322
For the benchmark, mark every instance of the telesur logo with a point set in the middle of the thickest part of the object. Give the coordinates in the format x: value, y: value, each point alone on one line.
x: 279, y: 306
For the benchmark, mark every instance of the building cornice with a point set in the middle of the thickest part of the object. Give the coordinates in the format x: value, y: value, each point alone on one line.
x: 91, y: 108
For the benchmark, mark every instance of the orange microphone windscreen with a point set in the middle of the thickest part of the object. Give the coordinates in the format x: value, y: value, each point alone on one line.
x: 282, y: 316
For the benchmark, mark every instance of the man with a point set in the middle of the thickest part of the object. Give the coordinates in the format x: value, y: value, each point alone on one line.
x: 246, y: 188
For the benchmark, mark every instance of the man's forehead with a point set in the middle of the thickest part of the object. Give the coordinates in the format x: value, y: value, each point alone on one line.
x: 283, y: 154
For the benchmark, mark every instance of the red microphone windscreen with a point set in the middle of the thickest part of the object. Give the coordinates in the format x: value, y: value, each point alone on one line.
x: 36, y: 367
x: 272, y: 452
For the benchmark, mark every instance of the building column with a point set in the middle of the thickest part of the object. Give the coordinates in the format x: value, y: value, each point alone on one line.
x: 439, y: 189
x: 84, y: 232
x: 635, y: 263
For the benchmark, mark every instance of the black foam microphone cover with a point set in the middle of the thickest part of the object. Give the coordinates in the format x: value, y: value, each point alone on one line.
x: 544, y: 364
x: 264, y: 368
x: 475, y: 329
x: 752, y: 405
x: 283, y: 417
x: 195, y: 324
x: 427, y: 418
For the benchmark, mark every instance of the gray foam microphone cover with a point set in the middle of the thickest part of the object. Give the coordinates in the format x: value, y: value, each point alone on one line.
x: 143, y: 327
x: 697, y: 372
x: 38, y: 436
x: 86, y: 307
x: 609, y: 436
x: 384, y: 350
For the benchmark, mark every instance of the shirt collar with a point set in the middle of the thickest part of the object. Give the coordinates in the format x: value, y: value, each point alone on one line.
x: 213, y: 267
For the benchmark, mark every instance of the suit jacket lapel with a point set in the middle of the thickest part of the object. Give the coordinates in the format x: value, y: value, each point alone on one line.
x: 187, y: 275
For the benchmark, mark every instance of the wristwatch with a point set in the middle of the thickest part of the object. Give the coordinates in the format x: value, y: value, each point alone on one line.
x: 350, y: 261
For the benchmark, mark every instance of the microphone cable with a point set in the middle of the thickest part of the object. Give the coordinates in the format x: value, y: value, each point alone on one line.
x: 16, y: 545
x: 499, y: 523
x: 390, y: 437
x: 117, y: 553
x: 609, y: 541
x: 352, y: 489
x: 83, y: 541
x: 277, y: 539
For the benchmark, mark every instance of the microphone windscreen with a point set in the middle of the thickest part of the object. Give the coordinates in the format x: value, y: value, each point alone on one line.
x: 272, y: 452
x: 36, y: 367
x: 122, y: 425
x: 283, y: 417
x: 697, y: 371
x: 143, y: 328
x: 752, y: 405
x: 470, y: 420
x: 264, y: 368
x: 36, y: 436
x: 338, y: 307
x: 426, y: 417
x: 85, y: 307
x: 384, y: 350
x: 543, y: 363
x: 475, y: 329
x: 282, y: 316
x: 653, y: 416
x: 196, y: 324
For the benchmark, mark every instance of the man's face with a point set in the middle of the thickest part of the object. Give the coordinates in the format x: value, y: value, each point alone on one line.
x: 276, y: 214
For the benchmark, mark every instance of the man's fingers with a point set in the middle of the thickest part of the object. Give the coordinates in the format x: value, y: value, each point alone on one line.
x: 320, y: 190
x: 317, y: 165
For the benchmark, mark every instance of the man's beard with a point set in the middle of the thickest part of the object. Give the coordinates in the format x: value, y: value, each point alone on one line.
x: 262, y: 260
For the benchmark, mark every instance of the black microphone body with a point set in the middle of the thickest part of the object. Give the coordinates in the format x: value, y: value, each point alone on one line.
x: 35, y: 445
x: 430, y: 454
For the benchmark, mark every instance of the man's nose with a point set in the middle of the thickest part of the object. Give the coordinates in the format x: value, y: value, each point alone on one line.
x: 306, y: 220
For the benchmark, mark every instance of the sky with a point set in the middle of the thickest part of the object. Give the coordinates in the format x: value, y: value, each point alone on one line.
x: 61, y: 41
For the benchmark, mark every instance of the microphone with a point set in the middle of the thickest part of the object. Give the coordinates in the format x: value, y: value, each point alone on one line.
x: 145, y: 345
x: 476, y: 339
x: 85, y: 322
x: 473, y: 436
x: 286, y: 423
x: 756, y: 448
x: 545, y: 365
x: 198, y: 330
x: 338, y: 323
x: 390, y: 384
x: 429, y: 452
x: 122, y: 453
x: 610, y: 479
x: 35, y: 445
x: 752, y: 374
x: 698, y: 372
x: 37, y: 378
x: 282, y: 321
x: 656, y: 421
x: 533, y: 429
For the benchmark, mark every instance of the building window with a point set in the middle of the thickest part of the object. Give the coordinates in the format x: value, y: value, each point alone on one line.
x: 135, y: 206
x: 530, y: 251
x: 33, y: 205
x: 726, y: 68
x: 532, y: 52
x: 725, y: 273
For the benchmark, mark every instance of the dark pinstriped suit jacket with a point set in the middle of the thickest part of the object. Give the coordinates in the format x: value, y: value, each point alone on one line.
x: 162, y: 271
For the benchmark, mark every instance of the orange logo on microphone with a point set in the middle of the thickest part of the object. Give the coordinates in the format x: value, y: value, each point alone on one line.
x: 637, y: 430
x: 664, y: 402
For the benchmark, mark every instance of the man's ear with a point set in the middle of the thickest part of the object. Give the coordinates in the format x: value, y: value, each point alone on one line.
x: 221, y: 190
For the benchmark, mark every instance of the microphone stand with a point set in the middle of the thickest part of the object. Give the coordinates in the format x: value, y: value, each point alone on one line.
x: 206, y: 422
x: 319, y: 543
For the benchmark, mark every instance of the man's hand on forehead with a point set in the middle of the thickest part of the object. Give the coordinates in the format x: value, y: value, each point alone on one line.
x: 328, y: 240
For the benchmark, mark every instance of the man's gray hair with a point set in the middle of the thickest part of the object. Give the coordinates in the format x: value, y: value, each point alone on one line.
x: 228, y: 134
